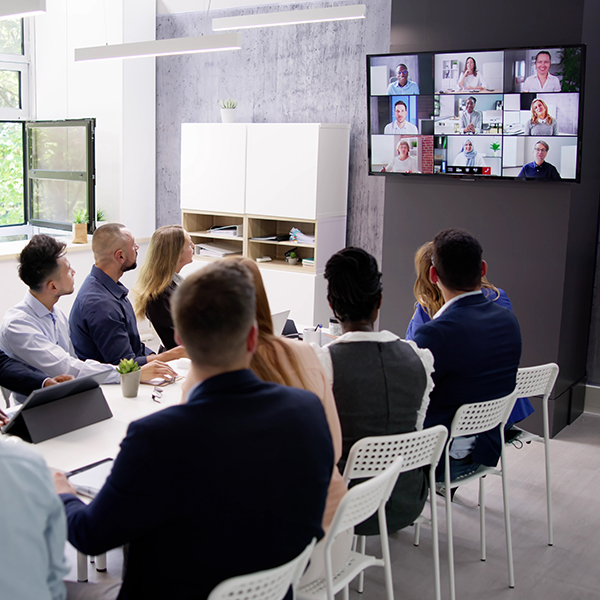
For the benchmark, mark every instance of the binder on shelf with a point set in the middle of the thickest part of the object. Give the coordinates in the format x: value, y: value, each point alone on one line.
x: 217, y: 249
x: 228, y: 230
x: 57, y: 409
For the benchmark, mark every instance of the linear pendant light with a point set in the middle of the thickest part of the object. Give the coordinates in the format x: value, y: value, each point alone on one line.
x: 293, y: 17
x: 186, y: 45
x: 13, y: 9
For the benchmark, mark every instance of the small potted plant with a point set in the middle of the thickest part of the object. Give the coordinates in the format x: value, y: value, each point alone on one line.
x: 80, y: 221
x: 130, y: 377
x: 495, y: 146
x: 228, y: 110
x: 291, y: 258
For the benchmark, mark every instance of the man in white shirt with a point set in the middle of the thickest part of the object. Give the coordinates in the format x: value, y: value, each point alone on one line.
x: 543, y: 80
x: 37, y: 332
x: 400, y: 125
x: 471, y: 120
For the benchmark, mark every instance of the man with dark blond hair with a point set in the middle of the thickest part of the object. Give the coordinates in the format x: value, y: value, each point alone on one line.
x: 231, y: 482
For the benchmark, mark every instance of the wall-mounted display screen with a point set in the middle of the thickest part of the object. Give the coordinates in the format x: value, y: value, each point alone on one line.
x: 512, y: 113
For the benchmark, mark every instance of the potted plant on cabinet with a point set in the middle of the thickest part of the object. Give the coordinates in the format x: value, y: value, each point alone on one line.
x: 80, y: 222
x: 228, y: 110
x: 130, y: 377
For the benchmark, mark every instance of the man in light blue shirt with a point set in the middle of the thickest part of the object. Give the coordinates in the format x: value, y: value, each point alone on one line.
x: 404, y: 86
x: 33, y: 528
x: 400, y: 125
x: 37, y: 332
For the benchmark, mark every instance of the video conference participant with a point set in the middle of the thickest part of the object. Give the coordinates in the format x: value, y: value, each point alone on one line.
x: 541, y: 123
x: 539, y: 168
x: 468, y: 156
x: 209, y: 516
x: 170, y: 249
x: 400, y: 125
x: 543, y: 80
x: 102, y: 321
x: 403, y: 163
x: 404, y: 86
x: 476, y: 347
x: 471, y: 79
x: 471, y: 120
x: 36, y: 331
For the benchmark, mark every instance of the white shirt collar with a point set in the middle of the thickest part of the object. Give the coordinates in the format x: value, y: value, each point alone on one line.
x: 453, y: 300
x: 36, y: 306
x: 366, y: 336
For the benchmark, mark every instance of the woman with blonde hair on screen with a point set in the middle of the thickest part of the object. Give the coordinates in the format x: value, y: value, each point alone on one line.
x: 541, y: 123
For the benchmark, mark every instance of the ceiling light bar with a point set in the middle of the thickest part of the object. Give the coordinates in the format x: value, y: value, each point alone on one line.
x: 186, y: 45
x: 14, y: 9
x: 294, y: 17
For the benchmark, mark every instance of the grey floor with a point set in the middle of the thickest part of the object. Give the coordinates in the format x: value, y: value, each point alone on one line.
x: 569, y: 569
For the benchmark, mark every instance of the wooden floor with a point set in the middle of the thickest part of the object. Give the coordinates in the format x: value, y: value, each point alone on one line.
x: 568, y: 570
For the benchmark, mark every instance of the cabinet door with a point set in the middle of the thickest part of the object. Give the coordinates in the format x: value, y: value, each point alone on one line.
x: 281, y: 175
x: 213, y: 166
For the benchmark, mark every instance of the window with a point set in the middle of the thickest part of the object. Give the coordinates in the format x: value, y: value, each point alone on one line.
x: 46, y: 167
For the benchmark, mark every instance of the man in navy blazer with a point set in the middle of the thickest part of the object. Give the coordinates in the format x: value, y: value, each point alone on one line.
x: 231, y: 482
x: 476, y: 346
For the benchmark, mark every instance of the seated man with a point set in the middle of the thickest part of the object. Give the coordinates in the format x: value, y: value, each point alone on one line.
x: 476, y: 346
x: 231, y: 482
x: 103, y: 324
x: 403, y: 85
x: 36, y: 331
x: 539, y: 168
x: 400, y: 125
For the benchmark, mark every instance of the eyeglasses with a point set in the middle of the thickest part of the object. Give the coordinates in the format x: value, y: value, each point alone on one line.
x: 402, y: 72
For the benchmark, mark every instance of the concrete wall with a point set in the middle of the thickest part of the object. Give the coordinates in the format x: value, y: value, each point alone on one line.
x: 298, y: 74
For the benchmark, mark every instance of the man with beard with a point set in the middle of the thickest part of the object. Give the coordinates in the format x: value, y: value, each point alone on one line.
x: 102, y: 322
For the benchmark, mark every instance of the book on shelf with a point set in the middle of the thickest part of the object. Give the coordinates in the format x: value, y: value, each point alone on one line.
x: 217, y: 249
x: 308, y: 262
x: 228, y: 230
x: 272, y: 238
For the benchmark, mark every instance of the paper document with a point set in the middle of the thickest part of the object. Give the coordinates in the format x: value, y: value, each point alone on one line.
x: 297, y: 236
x: 218, y: 249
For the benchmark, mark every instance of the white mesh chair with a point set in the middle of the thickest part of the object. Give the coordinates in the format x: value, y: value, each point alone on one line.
x: 472, y: 419
x: 539, y: 381
x: 271, y: 584
x: 358, y: 504
x: 372, y: 455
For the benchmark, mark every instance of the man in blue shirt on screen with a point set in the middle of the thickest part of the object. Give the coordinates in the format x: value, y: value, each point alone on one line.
x: 404, y: 85
x: 539, y: 168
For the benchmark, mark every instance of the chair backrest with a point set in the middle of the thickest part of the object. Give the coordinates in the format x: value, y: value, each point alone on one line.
x: 471, y: 419
x: 271, y: 584
x: 537, y: 381
x: 372, y: 455
x: 364, y: 499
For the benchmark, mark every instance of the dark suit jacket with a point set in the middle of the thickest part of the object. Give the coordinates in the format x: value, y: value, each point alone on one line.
x: 19, y: 377
x: 158, y: 312
x: 232, y: 482
x: 476, y: 345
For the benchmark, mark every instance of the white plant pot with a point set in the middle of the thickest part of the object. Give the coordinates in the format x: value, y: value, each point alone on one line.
x: 228, y: 115
x: 130, y: 383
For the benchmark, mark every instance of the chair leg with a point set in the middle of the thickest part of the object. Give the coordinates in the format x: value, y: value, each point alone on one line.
x: 82, y: 568
x: 385, y: 551
x: 449, y: 526
x: 434, y: 535
x: 482, y: 516
x: 101, y: 562
x: 509, y: 553
x: 362, y: 543
x: 417, y: 533
x: 347, y: 593
x: 547, y: 457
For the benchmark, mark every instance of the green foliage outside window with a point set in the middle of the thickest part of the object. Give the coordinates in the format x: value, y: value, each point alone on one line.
x: 11, y: 36
x: 11, y: 173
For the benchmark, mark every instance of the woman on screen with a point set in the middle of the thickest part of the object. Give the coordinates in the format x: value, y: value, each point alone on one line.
x: 468, y: 156
x: 471, y: 79
x: 403, y: 163
x: 543, y: 80
x: 541, y: 123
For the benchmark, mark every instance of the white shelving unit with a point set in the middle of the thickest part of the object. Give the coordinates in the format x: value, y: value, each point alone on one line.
x: 270, y: 178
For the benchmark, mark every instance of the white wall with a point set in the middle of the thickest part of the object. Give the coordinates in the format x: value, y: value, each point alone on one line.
x: 120, y: 94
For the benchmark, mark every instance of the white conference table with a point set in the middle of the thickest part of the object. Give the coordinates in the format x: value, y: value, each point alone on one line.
x: 101, y: 440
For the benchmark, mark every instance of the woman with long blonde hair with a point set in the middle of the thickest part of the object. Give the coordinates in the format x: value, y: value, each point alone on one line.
x: 295, y: 364
x: 170, y: 249
x: 429, y: 300
x: 541, y: 123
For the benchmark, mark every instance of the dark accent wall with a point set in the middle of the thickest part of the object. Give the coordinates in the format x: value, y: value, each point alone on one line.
x: 539, y: 239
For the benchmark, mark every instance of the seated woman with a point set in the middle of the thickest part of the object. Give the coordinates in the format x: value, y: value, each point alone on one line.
x: 430, y: 300
x: 403, y: 163
x: 541, y: 123
x: 468, y: 156
x: 381, y: 384
x: 170, y: 249
x: 295, y: 364
x: 471, y: 79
